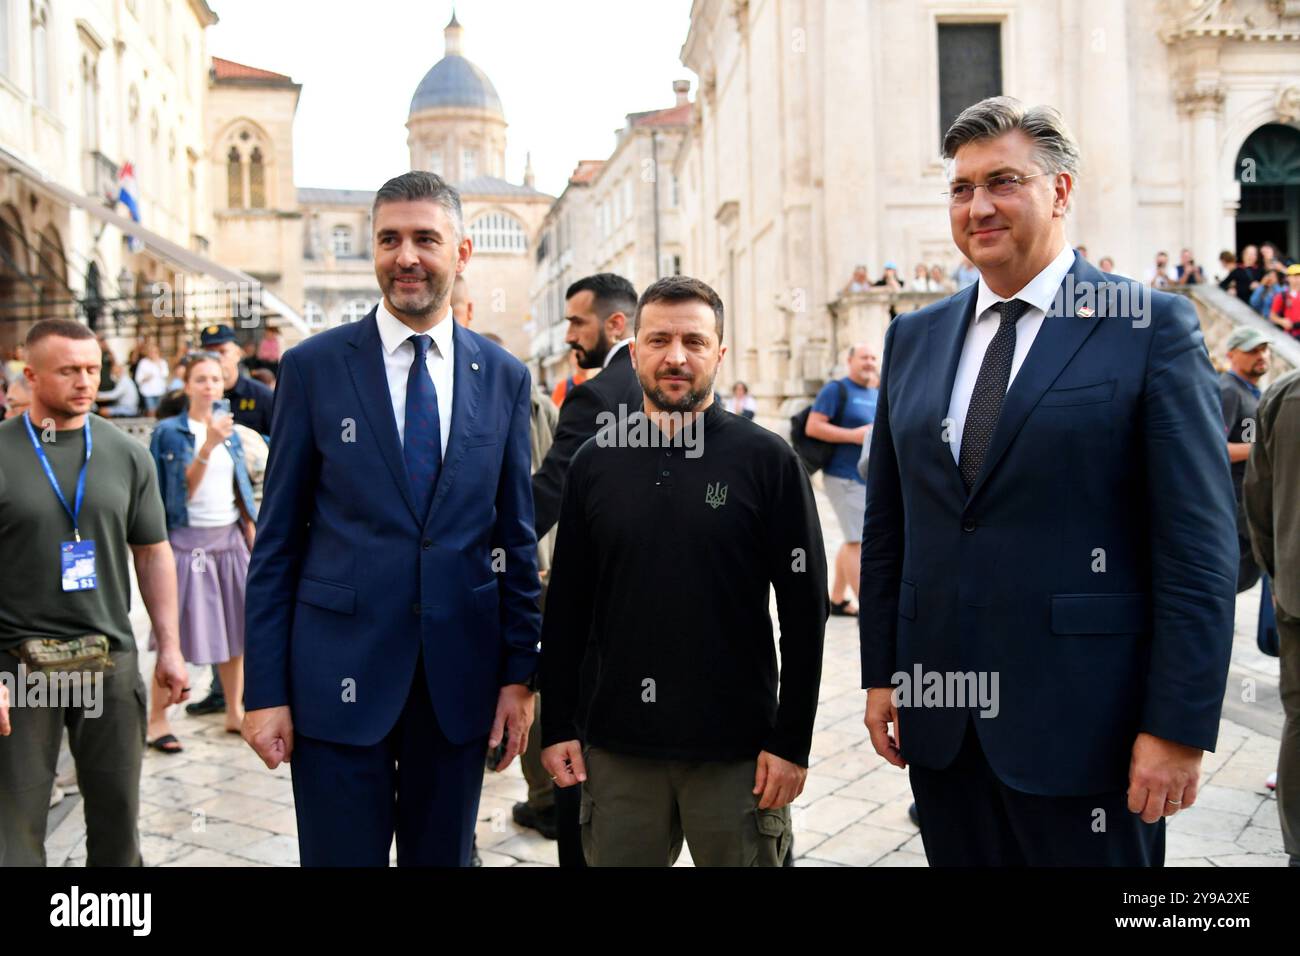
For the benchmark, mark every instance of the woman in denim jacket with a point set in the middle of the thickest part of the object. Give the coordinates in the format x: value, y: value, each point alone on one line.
x: 210, y: 510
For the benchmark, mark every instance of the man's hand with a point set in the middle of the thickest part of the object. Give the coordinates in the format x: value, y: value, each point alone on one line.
x: 170, y: 675
x: 5, y: 729
x: 269, y: 732
x: 778, y: 780
x: 514, y: 715
x: 1162, y: 777
x: 863, y: 434
x: 564, y: 763
x: 881, y: 712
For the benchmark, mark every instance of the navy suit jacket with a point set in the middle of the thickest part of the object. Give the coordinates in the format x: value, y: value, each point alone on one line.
x: 347, y: 585
x: 1108, y: 454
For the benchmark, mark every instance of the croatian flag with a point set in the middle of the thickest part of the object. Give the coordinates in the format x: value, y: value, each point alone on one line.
x: 127, y: 195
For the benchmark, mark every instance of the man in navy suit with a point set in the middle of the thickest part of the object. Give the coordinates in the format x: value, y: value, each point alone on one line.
x: 1049, y: 550
x: 392, y: 612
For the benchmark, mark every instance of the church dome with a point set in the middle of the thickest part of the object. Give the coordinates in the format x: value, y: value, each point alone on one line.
x: 455, y: 82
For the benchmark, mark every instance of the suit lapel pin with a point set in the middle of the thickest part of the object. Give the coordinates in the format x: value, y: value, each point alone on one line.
x: 474, y: 366
x: 1086, y: 312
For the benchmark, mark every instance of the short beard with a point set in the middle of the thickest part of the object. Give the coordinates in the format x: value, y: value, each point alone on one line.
x: 595, y: 356
x: 436, y: 302
x: 689, y: 402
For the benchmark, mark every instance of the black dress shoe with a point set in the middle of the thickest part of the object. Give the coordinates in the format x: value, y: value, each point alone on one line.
x: 543, y: 821
x: 212, y: 704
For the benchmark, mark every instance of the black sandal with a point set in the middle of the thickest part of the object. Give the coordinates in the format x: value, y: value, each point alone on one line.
x: 842, y: 610
x: 164, y: 744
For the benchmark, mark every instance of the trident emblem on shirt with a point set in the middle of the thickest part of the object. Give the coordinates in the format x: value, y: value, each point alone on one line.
x: 715, y: 495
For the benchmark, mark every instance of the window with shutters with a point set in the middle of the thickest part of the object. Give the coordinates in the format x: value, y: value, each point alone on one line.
x: 970, y: 67
x: 341, y: 241
x: 355, y: 310
x: 498, y: 232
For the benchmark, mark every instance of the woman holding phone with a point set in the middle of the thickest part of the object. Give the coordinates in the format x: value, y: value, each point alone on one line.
x: 211, y: 516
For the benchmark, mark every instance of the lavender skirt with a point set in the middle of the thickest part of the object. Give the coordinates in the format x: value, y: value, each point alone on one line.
x: 211, y: 573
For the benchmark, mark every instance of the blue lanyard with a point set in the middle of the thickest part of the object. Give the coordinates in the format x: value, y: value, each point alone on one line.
x: 49, y: 473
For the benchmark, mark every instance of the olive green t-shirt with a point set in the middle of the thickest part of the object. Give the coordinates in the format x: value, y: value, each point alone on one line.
x: 122, y: 506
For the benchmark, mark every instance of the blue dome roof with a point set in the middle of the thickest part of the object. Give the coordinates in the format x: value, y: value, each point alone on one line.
x: 455, y: 81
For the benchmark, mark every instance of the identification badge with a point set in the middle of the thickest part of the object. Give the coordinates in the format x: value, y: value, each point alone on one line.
x: 78, y: 565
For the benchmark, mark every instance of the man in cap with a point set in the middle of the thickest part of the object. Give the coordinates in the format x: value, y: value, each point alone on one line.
x: 1248, y: 361
x: 250, y: 400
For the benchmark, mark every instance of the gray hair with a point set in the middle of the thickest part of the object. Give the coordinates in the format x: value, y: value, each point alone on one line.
x: 420, y: 185
x: 1055, y: 149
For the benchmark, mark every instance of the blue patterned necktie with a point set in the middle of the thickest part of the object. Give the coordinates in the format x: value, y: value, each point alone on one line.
x: 989, y: 392
x: 422, y: 441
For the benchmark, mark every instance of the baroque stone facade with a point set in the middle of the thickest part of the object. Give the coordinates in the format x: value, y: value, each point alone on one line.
x: 816, y: 133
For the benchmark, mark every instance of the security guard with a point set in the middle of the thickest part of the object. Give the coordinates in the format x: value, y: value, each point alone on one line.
x: 250, y: 401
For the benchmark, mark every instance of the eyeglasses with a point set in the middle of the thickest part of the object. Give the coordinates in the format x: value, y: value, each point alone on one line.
x: 1003, y: 186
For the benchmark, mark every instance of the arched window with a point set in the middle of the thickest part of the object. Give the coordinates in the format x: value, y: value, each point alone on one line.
x: 234, y: 180
x: 89, y: 100
x: 435, y: 161
x: 498, y: 232
x: 341, y: 241
x: 314, y: 315
x: 41, y: 54
x: 468, y: 163
x: 355, y: 310
x: 256, y: 180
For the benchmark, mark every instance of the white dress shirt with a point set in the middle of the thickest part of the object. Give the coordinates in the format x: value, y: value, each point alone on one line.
x: 398, y: 356
x: 1039, y: 293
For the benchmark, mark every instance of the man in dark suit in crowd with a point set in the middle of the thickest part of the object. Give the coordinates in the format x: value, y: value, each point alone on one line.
x: 392, y: 596
x: 1049, y: 556
x: 599, y: 311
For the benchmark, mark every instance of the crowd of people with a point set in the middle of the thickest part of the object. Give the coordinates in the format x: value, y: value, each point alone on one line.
x: 1262, y: 277
x: 148, y: 381
x: 925, y: 278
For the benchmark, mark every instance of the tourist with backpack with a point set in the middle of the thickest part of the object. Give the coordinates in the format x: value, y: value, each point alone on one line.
x: 841, y: 417
x: 1286, y: 304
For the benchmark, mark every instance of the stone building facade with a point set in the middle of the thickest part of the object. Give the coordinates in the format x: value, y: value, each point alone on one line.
x: 85, y: 88
x: 456, y: 128
x: 621, y: 214
x: 815, y: 144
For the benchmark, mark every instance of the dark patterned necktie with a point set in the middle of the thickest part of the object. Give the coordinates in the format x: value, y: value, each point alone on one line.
x: 989, y: 392
x: 422, y: 439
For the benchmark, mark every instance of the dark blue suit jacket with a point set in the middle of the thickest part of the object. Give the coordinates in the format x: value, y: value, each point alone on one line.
x: 1110, y: 438
x: 347, y: 585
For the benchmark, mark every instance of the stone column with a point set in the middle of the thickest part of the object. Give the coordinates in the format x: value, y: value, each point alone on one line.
x: 1200, y: 103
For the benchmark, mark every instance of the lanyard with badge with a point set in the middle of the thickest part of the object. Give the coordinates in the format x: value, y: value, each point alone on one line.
x: 76, y: 557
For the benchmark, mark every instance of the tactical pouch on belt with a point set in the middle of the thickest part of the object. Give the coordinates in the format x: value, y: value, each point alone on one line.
x: 47, y: 655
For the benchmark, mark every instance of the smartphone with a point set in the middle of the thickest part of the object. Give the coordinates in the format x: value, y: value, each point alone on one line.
x: 220, y: 407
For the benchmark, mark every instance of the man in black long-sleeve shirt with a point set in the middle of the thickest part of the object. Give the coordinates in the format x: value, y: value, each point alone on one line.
x: 672, y: 530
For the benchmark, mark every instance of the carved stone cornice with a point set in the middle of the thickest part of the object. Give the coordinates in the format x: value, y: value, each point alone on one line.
x: 1250, y: 20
